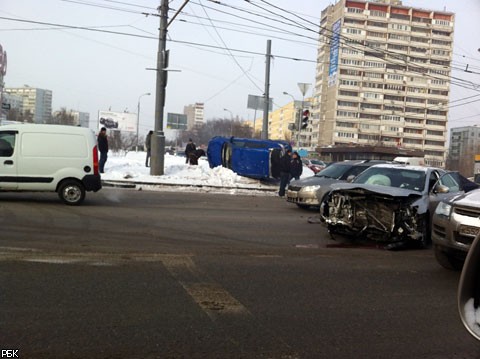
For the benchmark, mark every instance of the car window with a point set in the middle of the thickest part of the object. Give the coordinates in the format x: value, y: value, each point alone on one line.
x: 7, y: 143
x: 354, y: 171
x: 335, y: 170
x: 456, y: 182
x: 393, y: 177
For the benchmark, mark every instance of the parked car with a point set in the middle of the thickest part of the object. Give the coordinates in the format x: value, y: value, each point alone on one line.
x: 247, y: 156
x: 315, y: 165
x: 308, y: 192
x: 62, y: 159
x: 391, y: 203
x: 455, y: 224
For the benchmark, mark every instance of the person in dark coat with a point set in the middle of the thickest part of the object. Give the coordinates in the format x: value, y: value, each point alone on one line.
x: 189, y: 149
x: 102, y: 142
x: 195, y: 155
x: 148, y: 147
x: 284, y: 172
x: 296, y: 166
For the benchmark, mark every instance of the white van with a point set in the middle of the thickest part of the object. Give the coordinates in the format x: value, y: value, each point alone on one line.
x: 62, y: 159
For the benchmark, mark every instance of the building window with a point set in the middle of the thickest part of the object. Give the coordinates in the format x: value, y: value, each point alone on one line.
x: 372, y: 95
x: 395, y: 77
x: 346, y: 134
x: 354, y: 10
x: 374, y: 64
x: 434, y: 133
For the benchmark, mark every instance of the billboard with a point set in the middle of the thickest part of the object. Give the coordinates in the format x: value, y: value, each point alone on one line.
x: 120, y: 121
x: 334, y: 49
x: 176, y: 121
x: 258, y: 102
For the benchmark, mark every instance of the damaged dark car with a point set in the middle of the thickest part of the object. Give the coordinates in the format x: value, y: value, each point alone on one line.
x: 392, y: 204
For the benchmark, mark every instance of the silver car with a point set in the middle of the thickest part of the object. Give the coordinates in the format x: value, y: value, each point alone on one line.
x: 391, y: 203
x: 455, y: 224
x: 308, y: 192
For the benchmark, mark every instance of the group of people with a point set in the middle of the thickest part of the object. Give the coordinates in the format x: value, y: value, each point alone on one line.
x: 291, y: 166
x: 191, y: 152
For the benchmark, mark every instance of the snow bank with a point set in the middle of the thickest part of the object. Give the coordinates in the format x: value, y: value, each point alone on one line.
x: 131, y: 167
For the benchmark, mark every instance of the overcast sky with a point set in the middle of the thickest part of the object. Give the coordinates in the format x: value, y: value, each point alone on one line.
x: 92, y: 71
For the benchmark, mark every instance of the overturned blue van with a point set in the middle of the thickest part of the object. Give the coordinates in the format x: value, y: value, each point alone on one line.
x: 247, y: 156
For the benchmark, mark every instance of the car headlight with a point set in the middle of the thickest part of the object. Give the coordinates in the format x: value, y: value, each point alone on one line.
x: 443, y: 209
x: 310, y: 189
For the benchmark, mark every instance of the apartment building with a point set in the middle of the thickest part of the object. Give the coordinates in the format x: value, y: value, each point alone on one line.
x: 284, y: 122
x: 195, y: 114
x: 464, y: 146
x: 382, y: 78
x: 37, y: 101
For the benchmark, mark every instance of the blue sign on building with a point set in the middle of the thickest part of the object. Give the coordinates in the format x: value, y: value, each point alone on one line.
x: 334, y: 49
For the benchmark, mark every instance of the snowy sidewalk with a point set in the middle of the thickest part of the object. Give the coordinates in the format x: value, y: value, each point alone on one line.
x: 129, y: 170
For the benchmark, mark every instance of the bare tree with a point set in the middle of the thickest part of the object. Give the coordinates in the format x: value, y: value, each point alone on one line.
x: 63, y: 117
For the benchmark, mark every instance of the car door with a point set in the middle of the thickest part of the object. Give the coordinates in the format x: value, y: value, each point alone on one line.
x: 454, y: 181
x: 8, y: 156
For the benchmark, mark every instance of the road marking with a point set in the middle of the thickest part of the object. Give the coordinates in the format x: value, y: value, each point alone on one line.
x: 214, y: 300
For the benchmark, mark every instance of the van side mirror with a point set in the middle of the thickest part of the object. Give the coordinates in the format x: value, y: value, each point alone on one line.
x: 350, y: 178
x: 468, y: 297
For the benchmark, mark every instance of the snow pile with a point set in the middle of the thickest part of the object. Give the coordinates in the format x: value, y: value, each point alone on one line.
x: 131, y: 168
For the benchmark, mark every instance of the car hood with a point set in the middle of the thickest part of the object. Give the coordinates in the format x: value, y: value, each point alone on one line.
x: 470, y: 199
x: 377, y: 190
x: 314, y: 181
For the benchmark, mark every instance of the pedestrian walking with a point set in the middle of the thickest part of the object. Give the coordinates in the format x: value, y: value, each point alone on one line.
x: 284, y: 172
x: 148, y: 147
x: 296, y: 166
x: 102, y: 142
x: 189, y: 149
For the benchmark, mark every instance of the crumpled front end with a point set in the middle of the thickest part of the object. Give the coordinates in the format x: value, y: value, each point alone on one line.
x: 378, y: 217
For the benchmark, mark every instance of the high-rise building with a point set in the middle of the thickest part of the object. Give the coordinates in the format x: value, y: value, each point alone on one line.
x: 383, y: 78
x: 195, y: 115
x: 36, y: 101
x: 464, y: 146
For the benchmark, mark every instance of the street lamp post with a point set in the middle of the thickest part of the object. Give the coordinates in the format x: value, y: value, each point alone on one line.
x: 138, y: 115
x: 231, y: 120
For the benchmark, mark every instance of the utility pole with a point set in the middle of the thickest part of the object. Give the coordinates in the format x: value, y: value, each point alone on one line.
x: 158, y: 139
x: 266, y: 101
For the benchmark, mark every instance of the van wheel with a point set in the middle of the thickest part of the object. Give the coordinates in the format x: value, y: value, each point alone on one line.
x: 71, y: 192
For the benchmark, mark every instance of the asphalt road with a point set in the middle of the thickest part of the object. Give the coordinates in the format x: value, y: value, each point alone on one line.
x: 137, y: 274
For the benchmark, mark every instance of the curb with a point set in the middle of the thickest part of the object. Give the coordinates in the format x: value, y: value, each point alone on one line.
x: 128, y: 184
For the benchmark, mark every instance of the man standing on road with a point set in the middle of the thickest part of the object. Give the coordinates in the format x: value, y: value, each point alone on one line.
x: 189, y: 149
x: 296, y: 166
x: 148, y: 147
x: 103, y: 148
x: 284, y: 172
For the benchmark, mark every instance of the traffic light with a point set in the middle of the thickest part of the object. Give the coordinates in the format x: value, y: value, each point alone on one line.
x: 305, y: 115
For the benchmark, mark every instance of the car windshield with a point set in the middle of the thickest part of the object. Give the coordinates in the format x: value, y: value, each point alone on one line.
x: 335, y: 170
x: 317, y: 162
x: 393, y: 177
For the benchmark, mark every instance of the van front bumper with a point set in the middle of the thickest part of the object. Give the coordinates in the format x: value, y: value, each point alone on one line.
x: 92, y: 182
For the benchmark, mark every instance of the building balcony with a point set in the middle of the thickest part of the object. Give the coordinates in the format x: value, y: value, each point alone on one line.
x: 412, y: 146
x: 416, y: 136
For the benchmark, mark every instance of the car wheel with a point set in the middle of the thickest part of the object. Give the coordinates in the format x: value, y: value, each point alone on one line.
x: 426, y: 241
x: 71, y: 192
x: 447, y: 260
